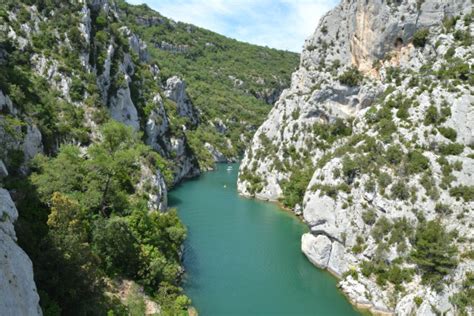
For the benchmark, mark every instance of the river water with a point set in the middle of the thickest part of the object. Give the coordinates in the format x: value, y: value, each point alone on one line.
x: 242, y: 257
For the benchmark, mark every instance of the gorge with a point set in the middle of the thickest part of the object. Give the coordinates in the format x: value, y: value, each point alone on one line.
x: 112, y: 118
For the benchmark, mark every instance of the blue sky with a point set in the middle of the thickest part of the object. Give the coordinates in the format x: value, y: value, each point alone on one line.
x: 282, y: 24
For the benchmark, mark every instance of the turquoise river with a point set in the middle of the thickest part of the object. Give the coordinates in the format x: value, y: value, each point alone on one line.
x: 242, y: 257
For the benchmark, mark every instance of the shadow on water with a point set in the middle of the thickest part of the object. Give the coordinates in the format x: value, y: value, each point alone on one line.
x: 174, y: 201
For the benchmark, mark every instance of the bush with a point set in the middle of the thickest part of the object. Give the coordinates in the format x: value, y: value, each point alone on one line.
x: 381, y: 228
x: 448, y: 132
x: 400, y: 191
x: 451, y: 149
x: 463, y: 191
x: 350, y: 169
x: 418, y: 301
x: 386, y: 128
x: 369, y: 217
x: 441, y: 208
x: 394, y: 154
x: 384, y: 179
x: 465, y: 297
x: 432, y: 115
x: 417, y: 162
x: 420, y: 37
x: 351, y: 77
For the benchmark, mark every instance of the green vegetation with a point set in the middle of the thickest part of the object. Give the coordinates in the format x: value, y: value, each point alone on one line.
x: 225, y: 78
x: 463, y: 191
x: 448, y: 132
x: 417, y: 162
x: 420, y: 37
x: 400, y: 191
x: 369, y: 217
x: 295, y: 188
x: 331, y: 132
x: 433, y: 252
x: 98, y: 224
x: 351, y: 77
x: 465, y: 298
x: 450, y: 149
x: 83, y: 221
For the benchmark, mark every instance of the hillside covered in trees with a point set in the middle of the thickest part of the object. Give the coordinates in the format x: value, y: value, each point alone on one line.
x: 104, y: 107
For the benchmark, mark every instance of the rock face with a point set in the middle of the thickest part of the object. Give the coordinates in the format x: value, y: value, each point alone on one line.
x: 377, y: 92
x: 175, y: 90
x: 17, y: 287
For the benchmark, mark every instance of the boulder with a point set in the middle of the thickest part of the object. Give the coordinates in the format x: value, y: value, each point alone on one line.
x: 317, y: 249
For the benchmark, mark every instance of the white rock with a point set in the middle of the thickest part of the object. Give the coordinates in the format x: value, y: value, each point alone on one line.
x: 123, y: 110
x: 3, y: 170
x: 175, y: 90
x: 17, y: 287
x: 317, y: 249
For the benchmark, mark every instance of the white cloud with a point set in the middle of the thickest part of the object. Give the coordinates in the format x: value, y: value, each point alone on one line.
x: 283, y: 24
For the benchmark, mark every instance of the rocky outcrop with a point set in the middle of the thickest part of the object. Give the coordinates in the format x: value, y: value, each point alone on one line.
x: 17, y: 287
x: 366, y: 103
x: 153, y: 185
x: 216, y: 154
x: 175, y: 90
x: 175, y: 49
x: 123, y: 110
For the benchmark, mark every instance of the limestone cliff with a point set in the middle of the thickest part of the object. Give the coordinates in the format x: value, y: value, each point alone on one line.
x: 377, y: 129
x: 17, y: 287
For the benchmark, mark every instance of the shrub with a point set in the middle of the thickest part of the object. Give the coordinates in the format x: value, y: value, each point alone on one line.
x: 416, y: 162
x: 420, y: 37
x: 450, y: 53
x: 351, y: 77
x: 384, y: 179
x: 429, y: 184
x: 386, y: 128
x: 451, y: 149
x: 465, y: 298
x: 431, y: 116
x: 350, y: 168
x: 442, y: 209
x: 448, y: 132
x: 418, y: 301
x: 116, y: 245
x: 394, y: 154
x: 381, y: 228
x: 369, y: 217
x: 463, y: 191
x: 400, y: 191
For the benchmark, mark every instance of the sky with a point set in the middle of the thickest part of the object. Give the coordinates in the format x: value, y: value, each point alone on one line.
x: 282, y: 24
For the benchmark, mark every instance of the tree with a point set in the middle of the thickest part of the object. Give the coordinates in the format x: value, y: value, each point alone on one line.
x: 295, y: 188
x: 77, y: 282
x: 434, y: 253
x: 116, y: 245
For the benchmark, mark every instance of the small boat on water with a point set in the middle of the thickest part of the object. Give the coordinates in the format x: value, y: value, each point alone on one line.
x: 229, y: 168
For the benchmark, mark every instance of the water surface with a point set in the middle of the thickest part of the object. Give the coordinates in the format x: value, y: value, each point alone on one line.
x: 242, y: 257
